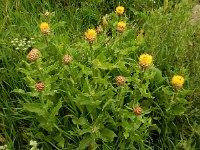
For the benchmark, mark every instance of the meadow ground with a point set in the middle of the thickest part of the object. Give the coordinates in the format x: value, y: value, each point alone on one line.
x: 92, y: 75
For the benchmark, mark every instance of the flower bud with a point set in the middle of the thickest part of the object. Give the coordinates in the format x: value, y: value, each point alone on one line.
x: 67, y: 59
x: 137, y: 110
x: 33, y: 55
x: 99, y: 29
x: 39, y: 86
x: 120, y: 80
x: 46, y: 13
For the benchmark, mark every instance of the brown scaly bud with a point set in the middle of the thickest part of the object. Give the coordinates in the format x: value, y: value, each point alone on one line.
x: 120, y: 29
x: 33, y: 55
x: 137, y: 110
x: 120, y: 80
x: 39, y: 86
x: 67, y: 59
x: 99, y: 29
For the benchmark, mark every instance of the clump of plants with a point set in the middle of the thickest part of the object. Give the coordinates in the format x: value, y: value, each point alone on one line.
x: 102, y: 92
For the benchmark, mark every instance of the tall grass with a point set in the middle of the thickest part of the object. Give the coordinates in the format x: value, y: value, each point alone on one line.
x: 169, y: 37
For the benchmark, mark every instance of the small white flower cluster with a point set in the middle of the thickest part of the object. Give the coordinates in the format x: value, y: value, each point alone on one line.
x: 34, y: 145
x: 3, y: 147
x: 22, y: 44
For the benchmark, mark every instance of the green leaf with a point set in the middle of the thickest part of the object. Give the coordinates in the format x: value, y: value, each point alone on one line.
x: 85, y: 99
x: 144, y: 92
x: 80, y: 121
x: 19, y: 91
x: 59, y: 24
x: 178, y: 109
x: 60, y: 140
x: 86, y: 141
x: 35, y: 108
x: 109, y: 102
x: 55, y: 111
x: 103, y: 65
x: 107, y: 135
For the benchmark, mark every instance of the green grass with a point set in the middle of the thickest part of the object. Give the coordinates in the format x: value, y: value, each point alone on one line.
x: 82, y: 105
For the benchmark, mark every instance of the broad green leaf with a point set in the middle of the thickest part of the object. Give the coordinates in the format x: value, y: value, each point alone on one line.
x: 80, y: 121
x: 60, y: 140
x: 144, y: 92
x: 86, y: 141
x: 107, y: 135
x: 178, y: 109
x: 35, y: 108
x: 109, y: 102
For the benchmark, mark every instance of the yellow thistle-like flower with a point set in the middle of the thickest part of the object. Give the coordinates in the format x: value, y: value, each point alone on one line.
x: 177, y: 81
x: 90, y: 35
x: 120, y: 10
x: 121, y: 26
x: 145, y: 60
x: 44, y: 27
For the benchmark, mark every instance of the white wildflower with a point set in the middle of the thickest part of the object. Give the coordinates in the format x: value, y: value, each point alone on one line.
x: 33, y: 143
x: 3, y: 147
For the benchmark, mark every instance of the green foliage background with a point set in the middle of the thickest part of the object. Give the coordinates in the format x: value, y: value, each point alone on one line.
x: 81, y: 106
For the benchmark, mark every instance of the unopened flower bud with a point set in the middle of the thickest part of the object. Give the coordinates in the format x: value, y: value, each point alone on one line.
x: 99, y: 29
x: 67, y: 59
x: 137, y: 110
x: 33, y: 55
x: 120, y: 80
x: 46, y: 13
x: 39, y: 86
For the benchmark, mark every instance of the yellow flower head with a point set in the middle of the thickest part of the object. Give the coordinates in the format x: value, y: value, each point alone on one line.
x: 44, y: 27
x: 90, y: 35
x: 177, y: 81
x: 120, y: 10
x: 121, y: 24
x: 145, y: 60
